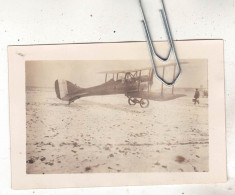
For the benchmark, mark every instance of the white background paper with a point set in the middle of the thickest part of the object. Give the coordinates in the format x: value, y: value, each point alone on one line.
x: 77, y: 21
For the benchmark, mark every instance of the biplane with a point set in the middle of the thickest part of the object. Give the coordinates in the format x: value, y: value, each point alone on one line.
x: 134, y: 84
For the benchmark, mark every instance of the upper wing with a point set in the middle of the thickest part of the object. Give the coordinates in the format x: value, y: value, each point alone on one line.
x: 141, y: 69
x: 125, y: 71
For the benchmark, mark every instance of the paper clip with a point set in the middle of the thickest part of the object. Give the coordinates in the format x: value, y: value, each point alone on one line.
x: 152, y: 49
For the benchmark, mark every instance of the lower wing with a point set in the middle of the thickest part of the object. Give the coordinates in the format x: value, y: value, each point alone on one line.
x: 155, y: 96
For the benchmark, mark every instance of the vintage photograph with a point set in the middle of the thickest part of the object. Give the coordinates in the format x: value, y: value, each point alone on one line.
x: 115, y: 116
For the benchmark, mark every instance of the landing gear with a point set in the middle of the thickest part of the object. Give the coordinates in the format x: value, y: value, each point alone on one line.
x: 132, y: 101
x: 144, y: 103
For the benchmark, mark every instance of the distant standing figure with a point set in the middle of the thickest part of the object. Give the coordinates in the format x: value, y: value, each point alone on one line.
x: 196, y: 97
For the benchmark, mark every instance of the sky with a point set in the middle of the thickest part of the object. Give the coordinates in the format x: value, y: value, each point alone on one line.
x: 87, y: 73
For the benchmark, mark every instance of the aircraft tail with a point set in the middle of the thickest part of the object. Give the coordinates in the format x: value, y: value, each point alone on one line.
x: 64, y: 89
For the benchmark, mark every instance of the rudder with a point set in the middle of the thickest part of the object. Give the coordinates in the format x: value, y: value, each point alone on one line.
x: 64, y: 88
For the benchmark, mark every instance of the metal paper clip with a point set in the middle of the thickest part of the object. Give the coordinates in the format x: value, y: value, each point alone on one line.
x: 152, y: 49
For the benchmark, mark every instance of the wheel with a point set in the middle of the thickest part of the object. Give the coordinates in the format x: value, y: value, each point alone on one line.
x: 144, y: 103
x: 132, y: 101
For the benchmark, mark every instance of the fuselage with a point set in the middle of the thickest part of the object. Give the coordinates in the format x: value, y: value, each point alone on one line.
x: 74, y: 92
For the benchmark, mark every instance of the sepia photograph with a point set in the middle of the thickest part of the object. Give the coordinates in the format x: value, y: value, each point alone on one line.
x: 89, y: 115
x: 111, y: 116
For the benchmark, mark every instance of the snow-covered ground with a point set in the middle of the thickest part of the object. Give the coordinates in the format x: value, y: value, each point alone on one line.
x: 105, y: 134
